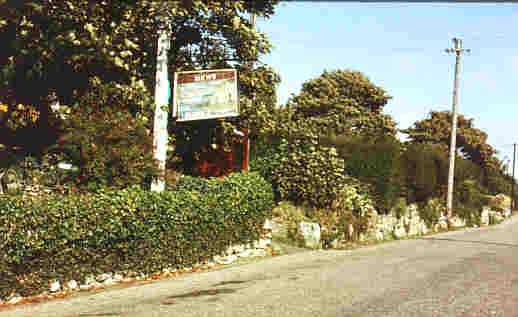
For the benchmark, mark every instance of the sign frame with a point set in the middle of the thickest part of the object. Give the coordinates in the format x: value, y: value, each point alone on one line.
x: 195, y: 82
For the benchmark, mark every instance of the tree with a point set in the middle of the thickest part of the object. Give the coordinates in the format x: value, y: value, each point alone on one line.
x: 471, y: 142
x: 343, y: 102
x: 61, y: 47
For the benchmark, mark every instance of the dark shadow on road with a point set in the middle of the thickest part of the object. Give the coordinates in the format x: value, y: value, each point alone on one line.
x: 170, y: 300
x: 471, y: 241
x: 229, y: 282
x: 99, y: 315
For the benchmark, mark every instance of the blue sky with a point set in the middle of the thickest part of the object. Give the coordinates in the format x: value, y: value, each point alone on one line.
x: 400, y: 47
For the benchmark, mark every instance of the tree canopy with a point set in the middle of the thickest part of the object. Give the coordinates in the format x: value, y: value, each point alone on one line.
x: 472, y: 142
x: 343, y: 102
x: 63, y: 48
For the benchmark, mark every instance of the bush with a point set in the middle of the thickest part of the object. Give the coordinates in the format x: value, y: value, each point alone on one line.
x: 302, y: 172
x: 400, y: 208
x: 375, y: 161
x: 431, y: 211
x: 470, y: 198
x: 426, y: 171
x: 73, y: 236
x: 349, y: 208
x: 111, y: 140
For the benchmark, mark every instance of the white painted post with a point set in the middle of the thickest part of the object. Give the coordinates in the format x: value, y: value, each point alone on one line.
x: 162, y: 91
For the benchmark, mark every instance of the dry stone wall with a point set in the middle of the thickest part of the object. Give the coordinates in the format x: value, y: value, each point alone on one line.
x: 386, y: 227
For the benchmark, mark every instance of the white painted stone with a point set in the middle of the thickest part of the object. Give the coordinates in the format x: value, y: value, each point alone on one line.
x: 311, y: 233
x: 86, y: 287
x: 261, y: 244
x: 72, y: 284
x: 268, y: 224
x: 246, y: 253
x: 118, y: 277
x: 484, y: 217
x: 55, y: 286
x: 169, y: 270
x: 15, y: 299
x: 103, y: 277
x: 424, y: 228
x: 109, y: 281
x: 259, y: 253
x: 211, y: 264
x: 350, y: 228
x: 239, y: 248
x: 457, y: 222
x: 227, y: 260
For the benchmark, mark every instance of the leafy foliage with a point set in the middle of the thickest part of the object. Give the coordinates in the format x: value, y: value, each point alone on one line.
x: 375, y: 161
x: 114, y: 42
x: 71, y: 237
x: 470, y: 199
x: 426, y: 172
x: 350, y: 208
x: 431, y: 211
x: 114, y: 147
x: 343, y: 102
x: 303, y: 172
x: 436, y: 129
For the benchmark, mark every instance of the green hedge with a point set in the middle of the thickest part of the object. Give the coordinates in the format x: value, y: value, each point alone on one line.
x: 71, y: 237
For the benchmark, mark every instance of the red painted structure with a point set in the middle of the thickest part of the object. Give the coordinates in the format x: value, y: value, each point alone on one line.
x: 219, y: 162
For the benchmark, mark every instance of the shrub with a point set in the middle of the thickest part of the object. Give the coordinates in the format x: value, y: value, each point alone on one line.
x: 349, y: 208
x: 470, y: 198
x: 425, y: 170
x: 72, y: 236
x: 375, y: 161
x: 431, y: 211
x: 302, y: 172
x: 400, y: 208
x: 111, y: 139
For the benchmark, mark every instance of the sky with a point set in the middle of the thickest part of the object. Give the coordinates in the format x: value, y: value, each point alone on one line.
x: 401, y: 48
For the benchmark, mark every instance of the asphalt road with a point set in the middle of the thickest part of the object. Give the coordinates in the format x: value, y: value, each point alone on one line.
x: 463, y: 273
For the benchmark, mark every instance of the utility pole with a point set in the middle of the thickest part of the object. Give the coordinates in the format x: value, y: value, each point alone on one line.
x: 457, y: 50
x: 246, y: 152
x: 512, y: 183
x: 162, y: 95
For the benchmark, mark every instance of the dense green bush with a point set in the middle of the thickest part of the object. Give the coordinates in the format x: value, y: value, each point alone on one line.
x: 470, y: 198
x: 70, y: 237
x: 425, y: 169
x: 431, y: 210
x: 303, y: 172
x: 375, y: 161
x: 111, y: 138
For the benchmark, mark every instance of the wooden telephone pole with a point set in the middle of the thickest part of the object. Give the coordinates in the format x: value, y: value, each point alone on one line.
x: 457, y: 50
x: 512, y: 183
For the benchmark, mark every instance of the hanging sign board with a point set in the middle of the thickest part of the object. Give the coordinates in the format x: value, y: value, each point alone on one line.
x: 205, y: 94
